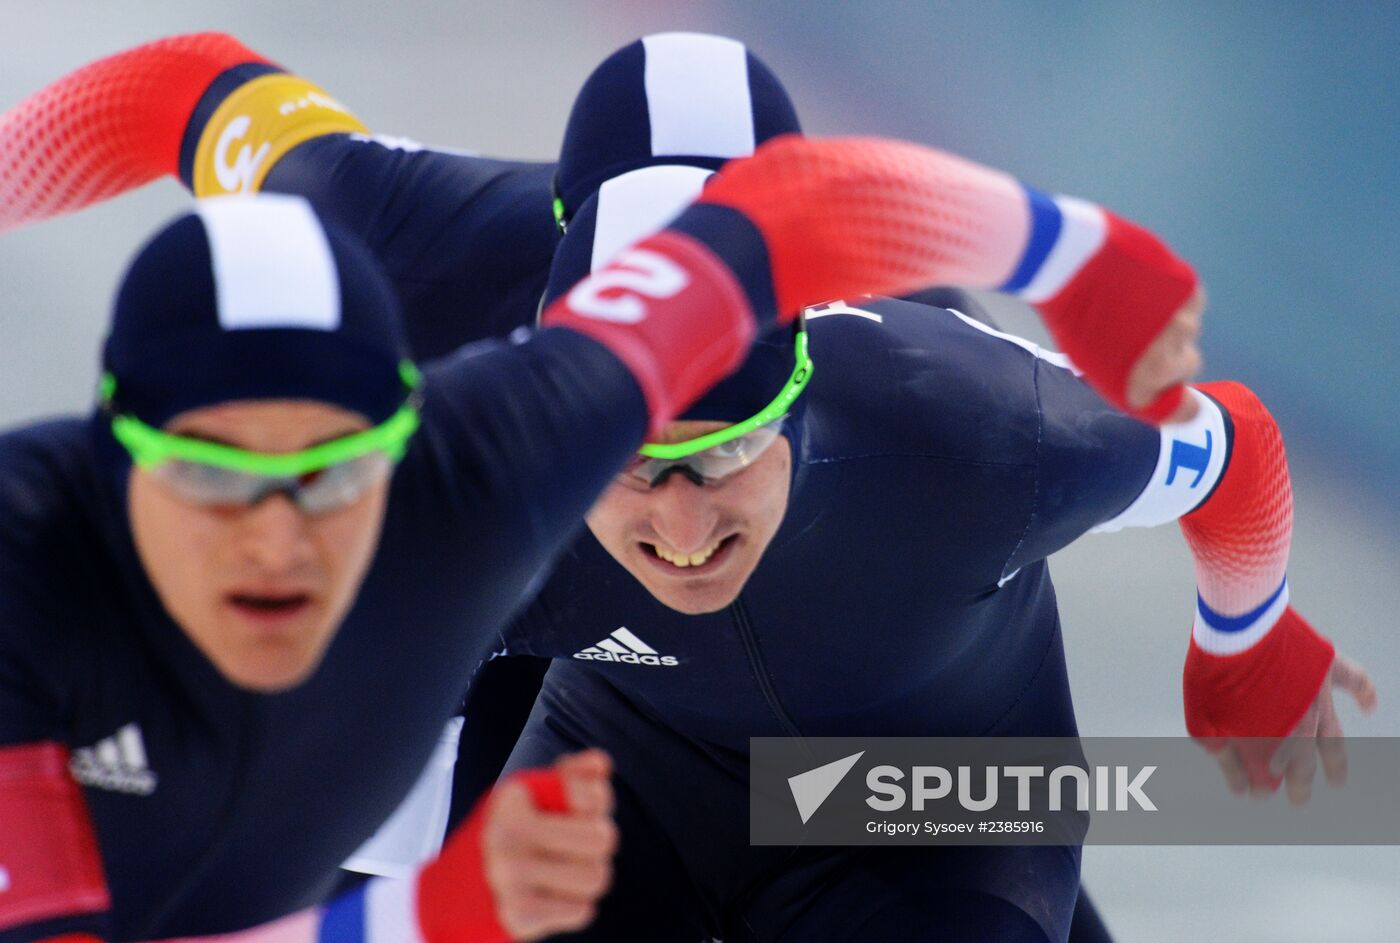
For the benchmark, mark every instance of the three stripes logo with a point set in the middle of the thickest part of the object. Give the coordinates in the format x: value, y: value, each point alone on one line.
x: 625, y: 648
x: 116, y: 763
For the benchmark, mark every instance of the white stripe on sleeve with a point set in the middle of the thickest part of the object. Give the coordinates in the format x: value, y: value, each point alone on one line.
x: 1216, y: 642
x: 414, y: 834
x: 1189, y: 463
x: 1082, y: 231
x: 391, y: 911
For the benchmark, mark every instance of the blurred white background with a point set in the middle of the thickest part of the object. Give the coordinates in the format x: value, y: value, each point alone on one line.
x: 1261, y: 140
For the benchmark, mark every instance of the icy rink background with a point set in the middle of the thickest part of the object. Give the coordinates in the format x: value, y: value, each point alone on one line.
x: 1262, y: 141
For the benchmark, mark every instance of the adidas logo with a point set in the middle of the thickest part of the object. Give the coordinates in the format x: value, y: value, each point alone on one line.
x: 624, y: 647
x: 116, y: 763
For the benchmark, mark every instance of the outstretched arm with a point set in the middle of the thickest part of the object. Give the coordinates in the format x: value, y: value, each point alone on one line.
x: 1256, y: 671
x: 115, y: 125
x: 1119, y: 303
x: 467, y: 240
x: 203, y: 106
x: 1256, y: 668
x: 200, y: 107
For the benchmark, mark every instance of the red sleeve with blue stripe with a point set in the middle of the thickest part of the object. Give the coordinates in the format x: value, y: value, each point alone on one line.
x: 914, y: 216
x: 1255, y: 665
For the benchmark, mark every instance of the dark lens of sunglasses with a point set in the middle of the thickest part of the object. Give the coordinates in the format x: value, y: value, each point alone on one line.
x: 343, y: 484
x: 711, y: 465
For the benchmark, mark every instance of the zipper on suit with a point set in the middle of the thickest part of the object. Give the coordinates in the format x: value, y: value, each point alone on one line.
x: 760, y: 671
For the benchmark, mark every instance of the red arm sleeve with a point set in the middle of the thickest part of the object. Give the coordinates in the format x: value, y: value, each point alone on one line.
x: 1255, y: 665
x: 109, y: 127
x: 50, y: 868
x: 906, y: 216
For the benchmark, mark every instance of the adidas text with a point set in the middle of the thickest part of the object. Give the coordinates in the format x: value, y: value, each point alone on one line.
x: 668, y: 661
x: 623, y: 646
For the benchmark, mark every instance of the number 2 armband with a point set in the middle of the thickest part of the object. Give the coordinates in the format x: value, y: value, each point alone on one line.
x: 671, y: 311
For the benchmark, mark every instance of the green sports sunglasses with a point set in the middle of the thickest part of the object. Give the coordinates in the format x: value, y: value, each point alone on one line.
x: 797, y: 382
x: 318, y: 479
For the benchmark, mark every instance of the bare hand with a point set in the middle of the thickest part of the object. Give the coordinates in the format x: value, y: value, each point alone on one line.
x: 1171, y: 358
x: 1295, y: 757
x: 547, y: 870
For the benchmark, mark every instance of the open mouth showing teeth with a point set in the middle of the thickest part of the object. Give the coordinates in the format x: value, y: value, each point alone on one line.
x: 270, y: 605
x: 685, y: 561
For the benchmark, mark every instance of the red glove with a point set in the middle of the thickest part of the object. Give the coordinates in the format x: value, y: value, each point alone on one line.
x: 1109, y: 313
x: 455, y: 903
x: 1260, y: 694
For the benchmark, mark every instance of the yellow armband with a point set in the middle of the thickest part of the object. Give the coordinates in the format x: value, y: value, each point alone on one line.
x: 259, y: 123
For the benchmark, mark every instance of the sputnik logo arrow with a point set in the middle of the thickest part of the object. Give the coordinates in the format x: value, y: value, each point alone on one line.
x: 811, y: 789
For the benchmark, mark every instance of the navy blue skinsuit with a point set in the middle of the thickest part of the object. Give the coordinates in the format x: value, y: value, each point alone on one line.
x: 934, y: 461
x: 256, y: 798
x: 467, y: 242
